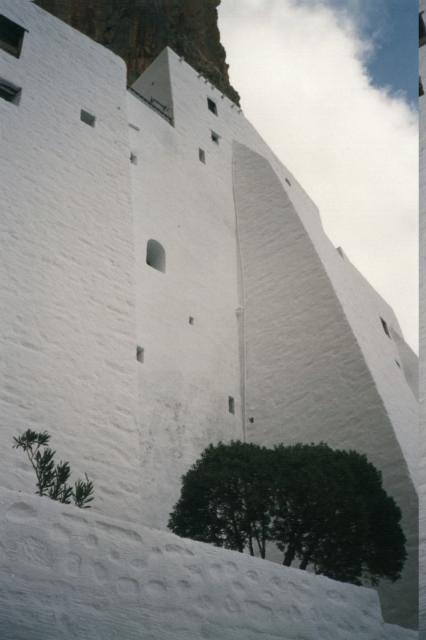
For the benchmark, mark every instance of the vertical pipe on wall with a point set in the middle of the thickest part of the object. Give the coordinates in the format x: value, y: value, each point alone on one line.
x: 240, y: 317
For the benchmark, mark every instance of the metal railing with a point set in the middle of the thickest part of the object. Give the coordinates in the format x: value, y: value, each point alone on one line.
x: 155, y: 104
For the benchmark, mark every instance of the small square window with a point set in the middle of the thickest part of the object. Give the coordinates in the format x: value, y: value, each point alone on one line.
x: 191, y: 320
x: 87, y: 118
x: 11, y: 36
x: 133, y: 158
x: 140, y: 354
x: 215, y: 137
x: 10, y: 92
x: 251, y: 420
x: 212, y: 106
x: 202, y: 155
x: 231, y: 404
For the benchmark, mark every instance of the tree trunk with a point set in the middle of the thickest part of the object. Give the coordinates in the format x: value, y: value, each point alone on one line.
x: 289, y: 555
x: 263, y: 541
x: 307, y: 557
x: 250, y: 542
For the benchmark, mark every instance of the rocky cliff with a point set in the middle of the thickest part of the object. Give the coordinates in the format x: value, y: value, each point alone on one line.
x: 137, y: 30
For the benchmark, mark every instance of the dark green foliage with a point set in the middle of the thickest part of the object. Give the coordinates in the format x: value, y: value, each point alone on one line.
x: 333, y: 514
x: 52, y: 479
x: 323, y: 508
x: 83, y: 493
x: 226, y: 498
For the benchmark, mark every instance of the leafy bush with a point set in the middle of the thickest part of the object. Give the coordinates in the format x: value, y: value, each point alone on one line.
x: 52, y: 479
x: 322, y: 508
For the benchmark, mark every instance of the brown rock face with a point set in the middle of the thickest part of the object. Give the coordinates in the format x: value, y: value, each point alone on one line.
x: 138, y: 30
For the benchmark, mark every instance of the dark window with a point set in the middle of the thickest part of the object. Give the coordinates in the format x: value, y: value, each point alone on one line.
x: 288, y: 182
x: 215, y: 137
x: 191, y: 320
x: 212, y: 106
x: 140, y: 354
x: 385, y: 327
x: 202, y: 155
x: 9, y: 92
x: 87, y: 118
x: 156, y: 256
x: 231, y: 404
x: 133, y: 158
x: 11, y: 36
x: 251, y: 420
x: 421, y: 90
x: 422, y: 30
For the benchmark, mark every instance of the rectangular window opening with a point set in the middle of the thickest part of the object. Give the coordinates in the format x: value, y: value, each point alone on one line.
x: 288, y: 182
x: 9, y: 92
x: 133, y: 158
x: 231, y: 404
x: 202, y: 155
x: 215, y: 137
x: 87, y: 118
x: 11, y: 36
x: 140, y: 354
x: 212, y: 106
x: 421, y: 90
x: 191, y: 320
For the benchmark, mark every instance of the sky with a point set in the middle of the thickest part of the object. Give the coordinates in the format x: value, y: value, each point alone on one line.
x: 331, y: 85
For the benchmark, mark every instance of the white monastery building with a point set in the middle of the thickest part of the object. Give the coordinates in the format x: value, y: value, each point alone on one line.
x: 165, y: 284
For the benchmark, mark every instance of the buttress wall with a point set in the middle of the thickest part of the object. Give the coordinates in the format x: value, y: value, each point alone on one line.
x: 305, y: 377
x: 66, y: 264
x: 316, y: 362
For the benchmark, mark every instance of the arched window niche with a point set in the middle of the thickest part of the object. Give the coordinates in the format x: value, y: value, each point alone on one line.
x: 156, y: 256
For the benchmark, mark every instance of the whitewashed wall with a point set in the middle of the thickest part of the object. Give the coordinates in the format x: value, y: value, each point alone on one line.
x: 72, y: 574
x: 67, y: 340
x: 78, y: 296
x: 306, y: 378
x: 326, y: 370
x: 189, y: 370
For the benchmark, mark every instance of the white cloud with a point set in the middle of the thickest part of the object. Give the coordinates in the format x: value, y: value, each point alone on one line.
x: 299, y: 67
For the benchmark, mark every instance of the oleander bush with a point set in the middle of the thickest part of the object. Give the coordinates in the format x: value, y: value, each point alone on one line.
x: 52, y: 478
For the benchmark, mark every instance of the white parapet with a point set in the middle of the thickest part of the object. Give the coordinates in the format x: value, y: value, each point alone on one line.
x: 67, y: 573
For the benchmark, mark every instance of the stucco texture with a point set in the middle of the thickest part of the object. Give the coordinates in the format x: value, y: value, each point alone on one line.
x: 282, y: 323
x: 73, y: 574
